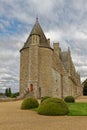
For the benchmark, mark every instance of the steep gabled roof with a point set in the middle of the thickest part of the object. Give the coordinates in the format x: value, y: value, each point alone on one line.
x: 37, y: 30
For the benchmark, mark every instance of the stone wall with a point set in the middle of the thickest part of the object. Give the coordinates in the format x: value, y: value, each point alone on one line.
x: 43, y: 68
x: 56, y: 90
x: 45, y: 71
x: 24, y: 68
x: 33, y: 69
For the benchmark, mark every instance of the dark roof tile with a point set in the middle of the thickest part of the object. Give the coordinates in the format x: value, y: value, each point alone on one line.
x: 37, y: 30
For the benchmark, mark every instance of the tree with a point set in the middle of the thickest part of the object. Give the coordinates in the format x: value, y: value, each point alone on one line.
x: 8, y: 92
x: 85, y: 88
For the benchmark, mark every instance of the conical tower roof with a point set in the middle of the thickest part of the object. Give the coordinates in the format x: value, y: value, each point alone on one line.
x: 37, y: 30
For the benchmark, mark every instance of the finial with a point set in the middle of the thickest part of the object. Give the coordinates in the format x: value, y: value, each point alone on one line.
x: 37, y: 18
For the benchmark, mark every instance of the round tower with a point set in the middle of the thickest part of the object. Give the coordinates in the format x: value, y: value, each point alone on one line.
x: 30, y: 59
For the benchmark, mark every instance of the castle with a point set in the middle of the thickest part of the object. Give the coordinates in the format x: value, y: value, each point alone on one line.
x: 46, y: 71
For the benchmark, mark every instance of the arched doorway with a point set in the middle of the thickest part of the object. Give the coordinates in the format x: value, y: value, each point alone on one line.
x: 31, y: 88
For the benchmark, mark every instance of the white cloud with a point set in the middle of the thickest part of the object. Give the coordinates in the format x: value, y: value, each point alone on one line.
x: 62, y: 21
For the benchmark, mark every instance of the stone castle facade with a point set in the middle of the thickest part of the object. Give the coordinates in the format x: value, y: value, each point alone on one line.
x: 46, y: 71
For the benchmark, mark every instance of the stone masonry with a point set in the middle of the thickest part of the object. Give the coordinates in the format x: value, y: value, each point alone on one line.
x: 46, y: 71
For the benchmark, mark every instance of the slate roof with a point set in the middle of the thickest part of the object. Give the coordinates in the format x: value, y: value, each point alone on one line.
x: 37, y: 30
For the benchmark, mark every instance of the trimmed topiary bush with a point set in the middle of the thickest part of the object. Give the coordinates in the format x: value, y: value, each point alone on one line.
x: 29, y: 103
x: 69, y: 99
x: 44, y: 98
x: 53, y: 106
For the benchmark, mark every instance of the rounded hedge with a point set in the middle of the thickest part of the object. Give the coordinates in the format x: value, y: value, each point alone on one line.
x: 29, y: 103
x: 69, y: 99
x: 53, y: 106
x: 44, y: 98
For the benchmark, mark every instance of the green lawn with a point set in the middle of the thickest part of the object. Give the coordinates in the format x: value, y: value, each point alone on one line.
x: 77, y: 109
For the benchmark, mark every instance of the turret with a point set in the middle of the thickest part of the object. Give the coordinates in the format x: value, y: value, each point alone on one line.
x: 37, y: 37
x: 57, y: 49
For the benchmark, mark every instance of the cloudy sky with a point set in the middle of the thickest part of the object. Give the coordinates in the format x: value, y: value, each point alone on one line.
x: 63, y: 21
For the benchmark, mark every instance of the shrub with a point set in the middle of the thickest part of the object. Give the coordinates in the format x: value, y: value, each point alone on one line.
x: 53, y: 106
x: 29, y: 103
x: 14, y: 95
x: 69, y: 99
x: 44, y: 98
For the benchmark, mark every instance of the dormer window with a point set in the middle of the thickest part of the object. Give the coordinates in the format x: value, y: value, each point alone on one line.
x: 35, y: 39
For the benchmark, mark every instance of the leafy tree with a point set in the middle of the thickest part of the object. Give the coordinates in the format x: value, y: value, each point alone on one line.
x: 8, y: 92
x: 85, y: 88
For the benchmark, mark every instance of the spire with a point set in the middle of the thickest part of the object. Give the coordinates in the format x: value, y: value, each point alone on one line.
x: 37, y: 18
x: 37, y: 30
x: 68, y: 51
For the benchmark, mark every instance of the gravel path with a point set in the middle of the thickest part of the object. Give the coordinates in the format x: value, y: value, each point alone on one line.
x: 13, y: 118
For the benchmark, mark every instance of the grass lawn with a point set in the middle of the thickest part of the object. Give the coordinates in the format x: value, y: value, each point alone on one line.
x: 77, y: 109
